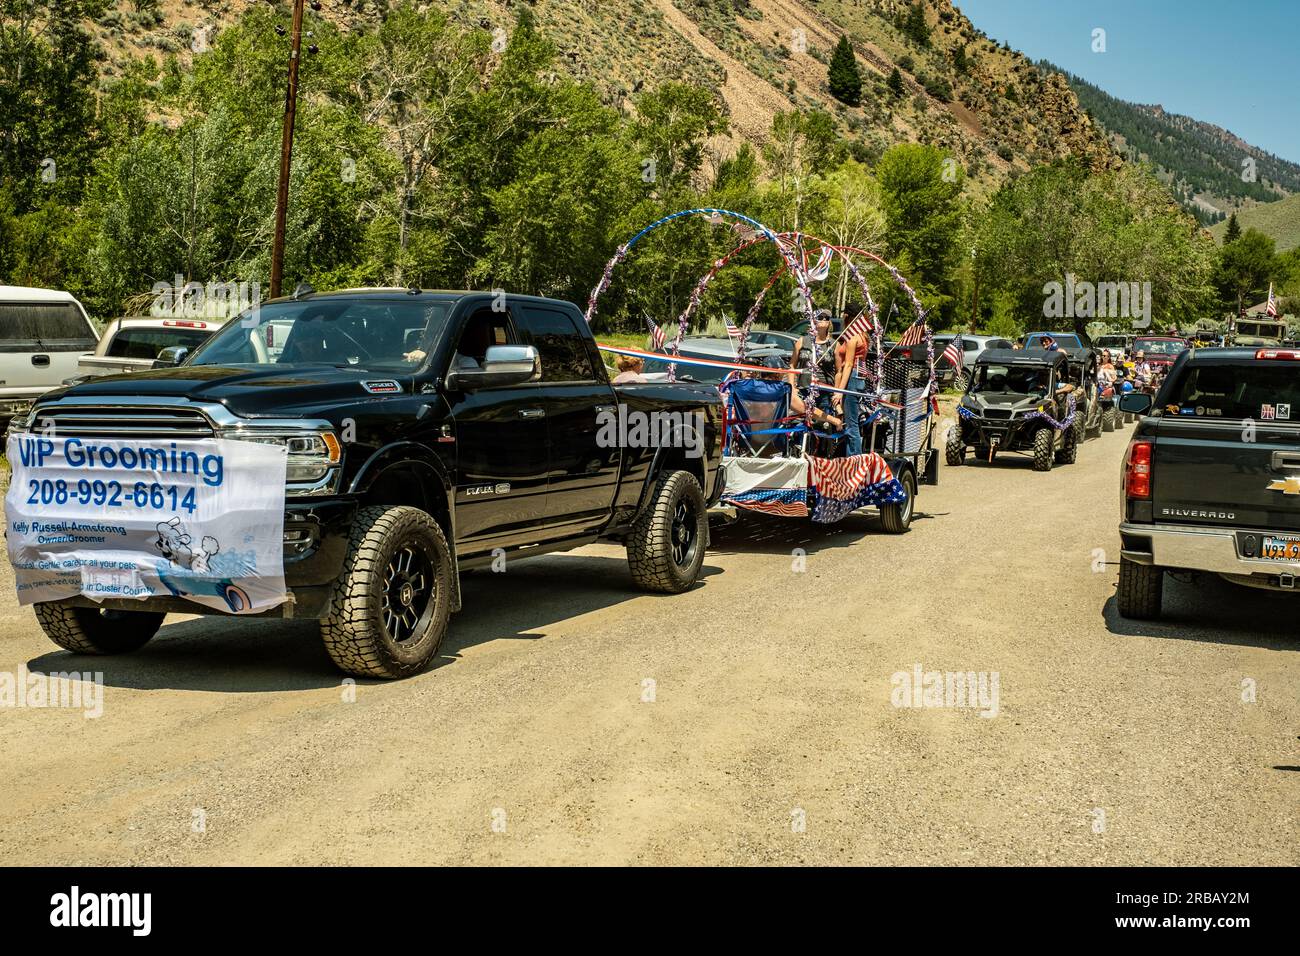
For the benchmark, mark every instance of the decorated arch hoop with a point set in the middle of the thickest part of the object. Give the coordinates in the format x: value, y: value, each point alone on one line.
x: 791, y: 247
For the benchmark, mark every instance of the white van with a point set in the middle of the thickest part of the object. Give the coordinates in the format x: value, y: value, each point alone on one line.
x: 43, y: 334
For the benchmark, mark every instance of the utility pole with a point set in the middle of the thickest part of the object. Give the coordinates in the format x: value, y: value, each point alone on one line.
x: 286, y: 149
x: 975, y: 296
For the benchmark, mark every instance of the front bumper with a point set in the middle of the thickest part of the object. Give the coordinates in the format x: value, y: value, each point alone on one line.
x: 1216, y: 550
x: 1006, y: 433
x: 316, y: 535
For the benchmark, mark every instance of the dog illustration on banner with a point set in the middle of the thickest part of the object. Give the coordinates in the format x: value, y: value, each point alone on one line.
x: 195, y: 577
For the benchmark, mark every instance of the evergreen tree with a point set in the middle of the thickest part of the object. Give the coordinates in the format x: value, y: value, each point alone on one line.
x: 844, y: 77
x: 895, y: 82
x: 1233, y: 232
x: 914, y: 26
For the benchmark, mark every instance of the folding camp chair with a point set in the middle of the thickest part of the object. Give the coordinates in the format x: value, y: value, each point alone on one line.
x: 759, y: 423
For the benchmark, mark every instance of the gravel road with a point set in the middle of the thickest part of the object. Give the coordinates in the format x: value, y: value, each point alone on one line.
x: 752, y: 720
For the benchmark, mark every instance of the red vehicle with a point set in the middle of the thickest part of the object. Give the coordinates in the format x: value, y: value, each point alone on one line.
x: 1159, y: 352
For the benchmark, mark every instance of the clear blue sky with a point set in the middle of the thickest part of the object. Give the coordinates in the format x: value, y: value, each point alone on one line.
x: 1234, y: 63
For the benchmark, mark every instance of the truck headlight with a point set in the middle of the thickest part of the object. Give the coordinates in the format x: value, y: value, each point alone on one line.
x: 311, y: 454
x: 22, y: 422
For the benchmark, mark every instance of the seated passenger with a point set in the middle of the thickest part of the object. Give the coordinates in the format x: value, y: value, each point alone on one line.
x: 629, y: 368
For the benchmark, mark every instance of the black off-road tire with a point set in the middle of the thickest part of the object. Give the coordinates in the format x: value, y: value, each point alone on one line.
x: 665, y: 549
x: 1109, y: 420
x: 896, y: 519
x: 1068, y: 453
x: 1141, y: 587
x: 1044, y: 440
x: 374, y: 628
x: 954, y: 453
x: 89, y: 630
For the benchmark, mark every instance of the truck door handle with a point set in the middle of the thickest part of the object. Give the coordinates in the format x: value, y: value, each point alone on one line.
x: 41, y: 361
x: 605, y: 409
x: 532, y: 413
x: 1283, y: 460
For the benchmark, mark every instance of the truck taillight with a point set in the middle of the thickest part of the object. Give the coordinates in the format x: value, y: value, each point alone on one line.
x: 1137, y: 470
x: 1286, y: 354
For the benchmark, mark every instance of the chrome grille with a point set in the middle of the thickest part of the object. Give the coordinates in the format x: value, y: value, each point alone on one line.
x: 124, y: 422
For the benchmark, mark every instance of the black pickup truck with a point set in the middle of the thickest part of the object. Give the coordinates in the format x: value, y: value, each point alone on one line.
x: 1211, y: 479
x: 426, y: 433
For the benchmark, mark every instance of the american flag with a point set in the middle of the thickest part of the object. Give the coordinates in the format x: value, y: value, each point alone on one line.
x: 914, y: 335
x: 1271, y: 308
x: 656, y: 335
x: 843, y: 485
x: 732, y: 329
x: 952, y: 353
x: 859, y: 326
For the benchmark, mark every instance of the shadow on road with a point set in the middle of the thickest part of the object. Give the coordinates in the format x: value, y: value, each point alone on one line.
x: 218, y: 654
x: 754, y: 533
x: 1211, y: 609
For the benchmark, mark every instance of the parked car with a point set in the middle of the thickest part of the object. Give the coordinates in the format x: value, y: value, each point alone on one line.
x: 42, y: 333
x: 1119, y: 345
x: 425, y: 433
x: 1070, y: 341
x: 1211, y: 479
x: 135, y: 344
x: 717, y: 349
x: 800, y: 328
x: 782, y: 340
x: 972, y: 346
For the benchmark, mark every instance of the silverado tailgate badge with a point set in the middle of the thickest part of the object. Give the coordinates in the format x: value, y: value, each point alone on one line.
x: 382, y: 387
x: 1290, y: 485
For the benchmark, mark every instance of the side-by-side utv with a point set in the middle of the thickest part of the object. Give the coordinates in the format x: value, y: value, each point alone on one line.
x: 1023, y: 401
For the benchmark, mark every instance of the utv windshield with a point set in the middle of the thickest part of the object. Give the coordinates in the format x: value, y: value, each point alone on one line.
x: 363, y: 332
x: 1013, y: 379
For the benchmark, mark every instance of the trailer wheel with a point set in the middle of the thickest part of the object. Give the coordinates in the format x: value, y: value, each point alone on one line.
x: 1044, y: 439
x: 89, y: 630
x: 390, y: 606
x: 896, y: 518
x: 665, y: 549
x: 1141, y: 587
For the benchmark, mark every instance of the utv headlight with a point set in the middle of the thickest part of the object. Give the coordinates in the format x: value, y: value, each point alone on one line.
x: 311, y: 454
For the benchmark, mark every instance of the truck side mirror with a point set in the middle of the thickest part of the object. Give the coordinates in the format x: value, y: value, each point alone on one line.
x: 503, y: 365
x: 1135, y: 403
x: 171, y: 356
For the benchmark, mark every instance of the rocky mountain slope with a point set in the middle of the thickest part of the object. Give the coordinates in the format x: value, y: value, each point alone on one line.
x: 989, y: 105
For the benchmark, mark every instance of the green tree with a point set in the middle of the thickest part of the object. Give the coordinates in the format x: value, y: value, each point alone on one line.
x: 921, y: 194
x: 844, y: 79
x: 674, y: 122
x: 1244, y: 269
x: 1232, y: 232
x: 914, y: 26
x: 895, y: 82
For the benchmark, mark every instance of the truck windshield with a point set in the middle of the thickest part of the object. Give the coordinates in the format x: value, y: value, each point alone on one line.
x: 371, y: 333
x: 1257, y: 390
x: 1159, y: 346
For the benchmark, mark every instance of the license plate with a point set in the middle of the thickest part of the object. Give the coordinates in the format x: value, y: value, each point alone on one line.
x: 1280, y: 547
